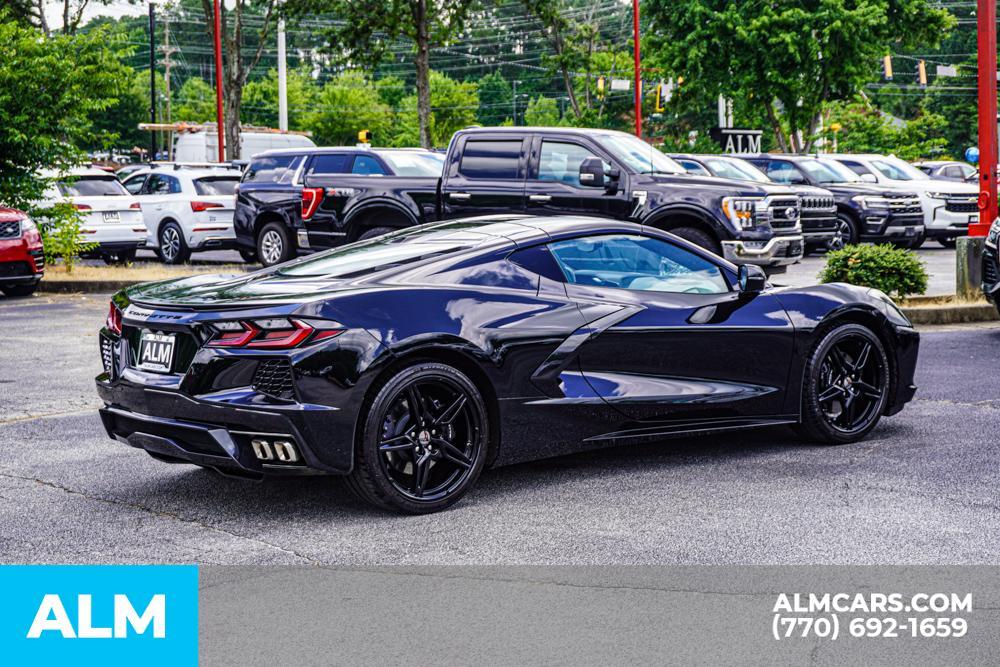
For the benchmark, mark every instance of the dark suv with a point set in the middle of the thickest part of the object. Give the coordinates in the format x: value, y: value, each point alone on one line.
x: 273, y: 205
x: 865, y: 211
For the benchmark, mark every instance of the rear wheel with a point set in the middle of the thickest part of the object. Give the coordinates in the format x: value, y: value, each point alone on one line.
x: 424, y: 441
x: 846, y: 385
x: 119, y: 257
x: 19, y: 290
x: 171, y: 246
x: 698, y: 237
x: 274, y: 244
x: 373, y: 232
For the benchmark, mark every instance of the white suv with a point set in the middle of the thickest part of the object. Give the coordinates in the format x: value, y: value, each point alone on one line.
x: 948, y: 207
x: 187, y: 208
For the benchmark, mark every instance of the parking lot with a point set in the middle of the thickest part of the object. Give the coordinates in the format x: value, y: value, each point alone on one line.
x: 921, y: 489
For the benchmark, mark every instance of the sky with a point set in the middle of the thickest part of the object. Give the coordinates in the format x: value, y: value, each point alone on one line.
x: 118, y: 8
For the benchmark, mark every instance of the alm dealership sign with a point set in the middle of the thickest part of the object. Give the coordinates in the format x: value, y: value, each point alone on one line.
x: 737, y: 140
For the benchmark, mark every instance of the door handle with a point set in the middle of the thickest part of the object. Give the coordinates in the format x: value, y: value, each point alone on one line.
x: 540, y: 199
x: 459, y: 196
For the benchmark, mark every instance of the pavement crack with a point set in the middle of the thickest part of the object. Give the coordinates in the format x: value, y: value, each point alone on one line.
x: 47, y: 415
x: 159, y: 513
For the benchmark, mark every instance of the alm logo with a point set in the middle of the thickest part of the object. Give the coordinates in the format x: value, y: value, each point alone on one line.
x: 52, y: 617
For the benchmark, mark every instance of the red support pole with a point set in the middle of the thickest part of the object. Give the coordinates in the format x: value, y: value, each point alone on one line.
x: 638, y: 76
x: 218, y: 83
x: 986, y: 17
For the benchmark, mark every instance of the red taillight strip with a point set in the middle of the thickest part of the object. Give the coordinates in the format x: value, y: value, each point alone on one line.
x: 256, y: 337
x: 235, y: 338
x: 199, y: 206
x: 284, y: 338
x: 114, y: 320
x: 311, y: 198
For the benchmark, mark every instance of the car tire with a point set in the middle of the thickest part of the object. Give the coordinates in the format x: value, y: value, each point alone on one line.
x: 19, y: 290
x: 848, y: 230
x: 913, y: 243
x: 249, y: 256
x: 170, y: 245
x: 417, y: 468
x: 950, y: 242
x: 119, y: 257
x: 374, y: 232
x: 698, y: 237
x: 845, y: 389
x: 274, y: 244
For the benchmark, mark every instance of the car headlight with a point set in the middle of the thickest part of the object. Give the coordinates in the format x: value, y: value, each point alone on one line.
x: 28, y: 225
x: 994, y: 235
x: 741, y: 211
x: 868, y: 201
x: 938, y: 195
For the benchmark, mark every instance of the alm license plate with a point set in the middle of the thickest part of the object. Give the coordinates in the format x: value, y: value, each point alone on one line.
x: 112, y: 216
x: 156, y: 352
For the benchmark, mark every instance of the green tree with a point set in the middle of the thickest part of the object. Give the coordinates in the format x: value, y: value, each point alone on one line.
x: 864, y: 129
x: 786, y: 57
x: 260, y: 99
x: 347, y: 104
x: 118, y: 125
x: 542, y: 111
x: 195, y: 101
x: 453, y: 106
x: 369, y: 27
x: 495, y: 97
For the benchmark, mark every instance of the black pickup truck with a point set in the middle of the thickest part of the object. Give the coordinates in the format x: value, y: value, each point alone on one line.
x: 528, y: 170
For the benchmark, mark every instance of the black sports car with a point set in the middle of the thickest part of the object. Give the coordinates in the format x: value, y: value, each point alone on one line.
x: 411, y: 362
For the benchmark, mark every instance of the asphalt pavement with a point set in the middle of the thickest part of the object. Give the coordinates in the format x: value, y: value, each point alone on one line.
x: 922, y: 489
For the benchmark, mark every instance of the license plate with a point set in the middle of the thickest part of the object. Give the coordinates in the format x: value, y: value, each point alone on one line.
x: 974, y: 218
x: 910, y: 231
x: 112, y: 216
x: 156, y: 352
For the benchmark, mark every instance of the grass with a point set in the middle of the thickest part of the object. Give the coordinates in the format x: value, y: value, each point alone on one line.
x: 138, y: 273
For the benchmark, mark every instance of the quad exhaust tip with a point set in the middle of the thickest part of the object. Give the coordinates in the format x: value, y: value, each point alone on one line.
x: 280, y: 450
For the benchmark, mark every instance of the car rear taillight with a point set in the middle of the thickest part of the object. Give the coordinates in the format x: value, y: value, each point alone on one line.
x: 272, y: 334
x: 311, y: 198
x: 199, y: 206
x: 136, y: 205
x: 82, y: 207
x: 114, y: 321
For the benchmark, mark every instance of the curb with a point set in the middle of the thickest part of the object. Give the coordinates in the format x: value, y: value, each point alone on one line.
x: 952, y: 314
x: 84, y: 286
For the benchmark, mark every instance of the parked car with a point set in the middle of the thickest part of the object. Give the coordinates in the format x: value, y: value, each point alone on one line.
x: 948, y: 170
x: 818, y: 209
x: 273, y: 204
x: 22, y: 262
x: 991, y: 265
x: 112, y: 217
x: 865, y: 212
x: 314, y: 200
x: 202, y: 144
x: 948, y: 207
x: 187, y: 208
x: 411, y: 362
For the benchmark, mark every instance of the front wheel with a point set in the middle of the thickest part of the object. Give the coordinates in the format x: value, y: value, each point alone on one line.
x: 424, y: 441
x: 699, y: 238
x: 845, y: 386
x: 25, y: 289
x: 948, y: 242
x: 120, y: 257
x: 848, y: 230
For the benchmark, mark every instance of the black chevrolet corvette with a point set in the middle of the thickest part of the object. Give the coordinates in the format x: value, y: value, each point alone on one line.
x: 411, y: 362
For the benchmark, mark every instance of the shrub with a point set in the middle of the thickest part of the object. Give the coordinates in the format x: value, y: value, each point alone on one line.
x: 60, y: 228
x: 893, y: 270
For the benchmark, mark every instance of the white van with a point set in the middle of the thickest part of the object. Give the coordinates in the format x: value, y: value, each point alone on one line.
x: 203, y: 146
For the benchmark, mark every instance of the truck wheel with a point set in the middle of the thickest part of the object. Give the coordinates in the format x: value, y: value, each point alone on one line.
x: 274, y: 245
x: 699, y: 238
x: 947, y: 242
x: 373, y: 232
x: 848, y: 230
x: 171, y: 246
x: 19, y: 290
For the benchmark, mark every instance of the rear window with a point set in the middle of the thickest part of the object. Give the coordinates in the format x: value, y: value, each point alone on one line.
x: 271, y: 169
x: 216, y: 186
x: 92, y: 186
x: 491, y: 159
x: 331, y: 163
x: 405, y: 163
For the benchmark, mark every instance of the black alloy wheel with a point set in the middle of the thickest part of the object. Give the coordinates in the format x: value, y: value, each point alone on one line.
x: 424, y: 443
x: 846, y: 385
x: 848, y: 230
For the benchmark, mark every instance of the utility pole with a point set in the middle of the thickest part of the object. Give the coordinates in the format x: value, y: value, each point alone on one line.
x: 167, y: 51
x: 282, y: 78
x: 219, y: 120
x: 638, y: 72
x: 514, y: 101
x: 152, y: 81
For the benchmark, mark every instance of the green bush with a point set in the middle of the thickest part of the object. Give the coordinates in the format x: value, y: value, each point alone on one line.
x: 60, y: 228
x: 893, y: 270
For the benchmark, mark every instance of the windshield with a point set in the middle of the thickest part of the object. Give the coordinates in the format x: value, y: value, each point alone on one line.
x: 217, y: 186
x: 92, y: 186
x: 639, y: 155
x: 413, y: 163
x: 896, y: 170
x: 844, y: 173
x: 736, y: 169
x: 820, y: 172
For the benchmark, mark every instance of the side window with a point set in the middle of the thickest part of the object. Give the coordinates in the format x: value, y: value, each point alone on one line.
x: 173, y: 185
x: 692, y: 167
x: 134, y: 184
x: 784, y: 172
x: 367, y: 165
x: 856, y: 167
x: 954, y: 171
x: 560, y: 161
x: 967, y: 171
x: 157, y: 184
x: 638, y: 263
x: 270, y: 169
x: 538, y: 259
x: 330, y: 163
x: 491, y: 159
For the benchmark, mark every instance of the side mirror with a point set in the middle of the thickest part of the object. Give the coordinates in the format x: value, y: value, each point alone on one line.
x: 611, y: 185
x: 869, y: 178
x: 592, y: 172
x: 751, y: 278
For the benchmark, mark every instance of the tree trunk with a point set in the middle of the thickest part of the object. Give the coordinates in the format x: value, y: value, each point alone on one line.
x: 423, y: 67
x: 779, y: 134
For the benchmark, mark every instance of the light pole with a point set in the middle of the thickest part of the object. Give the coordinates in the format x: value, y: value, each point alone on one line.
x: 637, y: 74
x: 152, y: 81
x: 219, y: 120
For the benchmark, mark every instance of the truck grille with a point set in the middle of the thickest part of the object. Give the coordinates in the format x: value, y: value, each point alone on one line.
x: 783, y: 213
x: 905, y: 206
x: 962, y: 205
x: 10, y: 229
x: 818, y: 206
x: 274, y: 378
